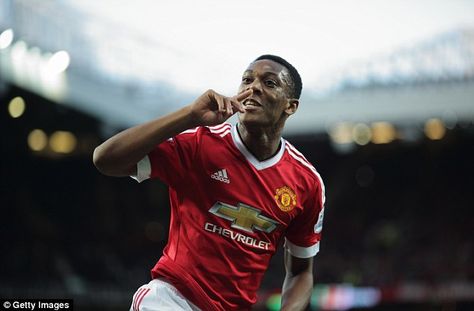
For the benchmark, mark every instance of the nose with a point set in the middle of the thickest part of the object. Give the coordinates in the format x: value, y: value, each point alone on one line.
x: 255, y: 86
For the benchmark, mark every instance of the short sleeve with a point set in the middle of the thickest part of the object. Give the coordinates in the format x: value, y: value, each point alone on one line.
x: 304, y: 233
x: 170, y: 160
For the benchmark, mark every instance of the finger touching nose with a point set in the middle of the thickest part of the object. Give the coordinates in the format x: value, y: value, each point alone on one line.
x: 243, y: 95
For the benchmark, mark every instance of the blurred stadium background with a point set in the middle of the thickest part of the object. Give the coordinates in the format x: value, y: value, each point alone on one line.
x: 391, y: 133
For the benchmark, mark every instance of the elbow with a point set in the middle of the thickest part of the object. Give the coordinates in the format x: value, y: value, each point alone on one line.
x: 108, y: 164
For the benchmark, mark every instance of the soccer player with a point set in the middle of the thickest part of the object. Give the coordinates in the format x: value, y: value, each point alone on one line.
x: 236, y: 191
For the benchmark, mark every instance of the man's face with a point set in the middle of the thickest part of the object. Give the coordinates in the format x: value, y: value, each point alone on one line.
x: 270, y: 101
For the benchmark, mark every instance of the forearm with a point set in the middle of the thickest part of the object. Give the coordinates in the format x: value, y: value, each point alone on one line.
x: 296, y: 291
x: 118, y: 155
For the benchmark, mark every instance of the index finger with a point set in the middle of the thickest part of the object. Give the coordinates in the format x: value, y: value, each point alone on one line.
x: 243, y: 95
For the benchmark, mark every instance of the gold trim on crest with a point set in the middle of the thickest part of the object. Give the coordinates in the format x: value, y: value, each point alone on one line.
x: 285, y: 197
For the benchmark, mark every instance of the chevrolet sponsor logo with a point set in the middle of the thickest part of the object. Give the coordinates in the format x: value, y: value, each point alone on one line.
x: 236, y: 236
x: 244, y: 217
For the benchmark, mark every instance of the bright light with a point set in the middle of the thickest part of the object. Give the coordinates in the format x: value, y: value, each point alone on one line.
x: 274, y: 302
x: 16, y: 107
x: 59, y: 62
x: 435, y: 129
x: 341, y: 133
x: 361, y: 134
x: 6, y: 38
x: 383, y: 133
x: 37, y: 140
x: 450, y: 119
x: 19, y: 50
x: 63, y: 142
x: 344, y: 297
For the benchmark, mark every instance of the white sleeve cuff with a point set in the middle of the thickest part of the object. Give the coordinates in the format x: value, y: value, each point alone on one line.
x: 301, y: 252
x: 143, y: 170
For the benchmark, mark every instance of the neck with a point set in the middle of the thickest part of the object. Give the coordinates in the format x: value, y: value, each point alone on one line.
x: 261, y: 142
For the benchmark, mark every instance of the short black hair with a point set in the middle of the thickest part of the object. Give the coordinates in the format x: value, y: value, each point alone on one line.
x: 296, y: 83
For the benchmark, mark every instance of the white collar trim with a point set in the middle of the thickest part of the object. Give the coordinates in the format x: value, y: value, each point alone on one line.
x: 259, y: 165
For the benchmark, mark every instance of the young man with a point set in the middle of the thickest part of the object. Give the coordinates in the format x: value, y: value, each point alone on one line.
x: 235, y: 193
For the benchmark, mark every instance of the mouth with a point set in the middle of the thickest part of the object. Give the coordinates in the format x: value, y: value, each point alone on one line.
x: 250, y: 102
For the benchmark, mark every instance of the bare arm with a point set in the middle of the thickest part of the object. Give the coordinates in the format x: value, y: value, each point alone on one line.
x: 298, y: 283
x: 119, y: 155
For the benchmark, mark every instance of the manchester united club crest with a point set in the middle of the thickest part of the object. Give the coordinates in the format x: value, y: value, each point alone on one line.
x: 285, y: 198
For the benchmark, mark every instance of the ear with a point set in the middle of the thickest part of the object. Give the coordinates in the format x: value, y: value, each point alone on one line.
x: 292, y: 106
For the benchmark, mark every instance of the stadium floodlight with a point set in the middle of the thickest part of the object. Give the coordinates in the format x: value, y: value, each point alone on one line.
x: 37, y: 140
x: 435, y: 129
x: 16, y: 107
x: 63, y: 142
x: 6, y: 38
x: 59, y: 62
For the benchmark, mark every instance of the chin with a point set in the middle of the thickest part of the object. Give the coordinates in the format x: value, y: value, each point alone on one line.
x: 250, y: 120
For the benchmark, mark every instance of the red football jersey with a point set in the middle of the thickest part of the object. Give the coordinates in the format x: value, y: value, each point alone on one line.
x: 229, y: 212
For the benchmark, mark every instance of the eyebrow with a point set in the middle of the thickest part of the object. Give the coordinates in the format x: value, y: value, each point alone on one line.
x: 266, y: 73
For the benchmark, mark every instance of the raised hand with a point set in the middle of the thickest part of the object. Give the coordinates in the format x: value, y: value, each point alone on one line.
x: 212, y: 108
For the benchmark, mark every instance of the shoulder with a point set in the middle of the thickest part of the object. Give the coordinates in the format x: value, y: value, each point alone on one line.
x: 303, y: 166
x: 216, y: 130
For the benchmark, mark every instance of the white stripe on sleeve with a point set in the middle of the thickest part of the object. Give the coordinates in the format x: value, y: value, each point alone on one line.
x: 301, y: 252
x: 143, y: 170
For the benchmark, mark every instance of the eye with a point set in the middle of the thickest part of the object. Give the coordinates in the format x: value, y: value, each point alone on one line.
x: 270, y: 83
x: 246, y: 80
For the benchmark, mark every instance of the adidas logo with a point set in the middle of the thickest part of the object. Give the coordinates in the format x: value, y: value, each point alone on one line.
x: 221, y: 175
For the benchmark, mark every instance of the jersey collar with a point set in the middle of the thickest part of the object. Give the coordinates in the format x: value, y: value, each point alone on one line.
x: 259, y: 165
